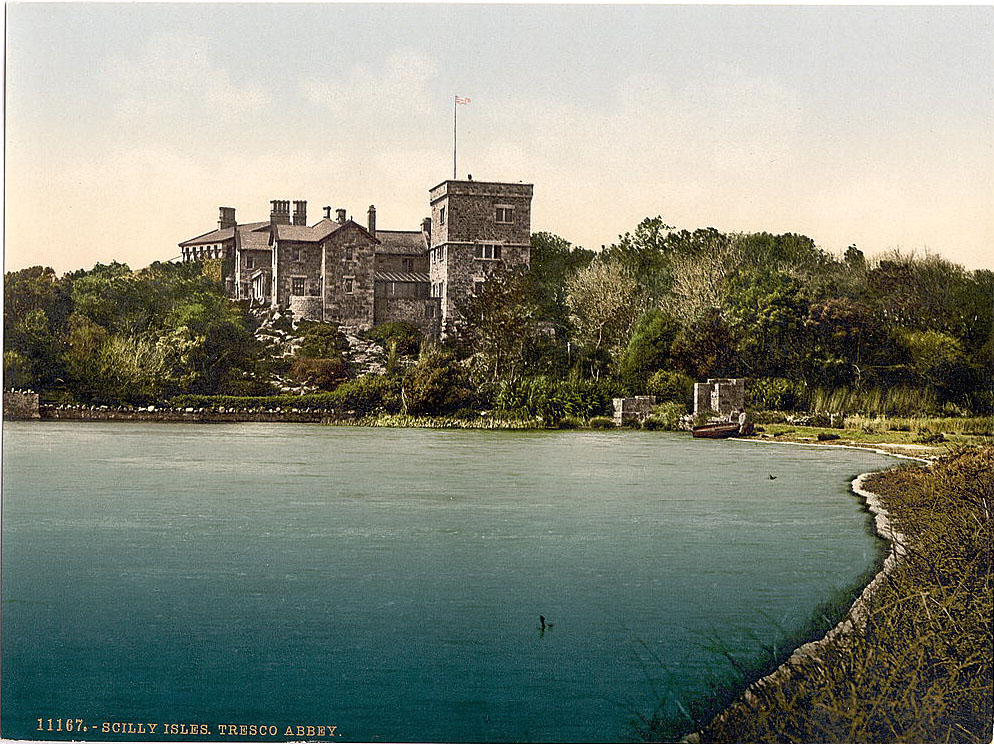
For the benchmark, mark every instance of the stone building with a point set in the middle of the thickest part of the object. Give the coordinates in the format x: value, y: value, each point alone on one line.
x: 719, y: 396
x: 360, y: 276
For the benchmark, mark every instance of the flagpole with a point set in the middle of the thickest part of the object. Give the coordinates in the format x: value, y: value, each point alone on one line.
x: 455, y: 108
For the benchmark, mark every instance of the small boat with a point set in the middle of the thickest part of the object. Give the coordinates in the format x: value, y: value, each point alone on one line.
x: 715, y: 431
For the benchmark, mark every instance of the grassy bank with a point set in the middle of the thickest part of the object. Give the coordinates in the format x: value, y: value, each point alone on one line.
x: 918, y: 667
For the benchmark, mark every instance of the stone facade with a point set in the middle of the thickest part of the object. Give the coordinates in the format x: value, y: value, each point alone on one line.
x: 477, y: 227
x: 340, y: 271
x: 719, y: 396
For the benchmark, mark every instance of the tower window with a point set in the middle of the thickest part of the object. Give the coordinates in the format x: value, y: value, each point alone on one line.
x: 441, y: 216
x: 505, y: 214
x: 349, y: 284
x: 487, y: 251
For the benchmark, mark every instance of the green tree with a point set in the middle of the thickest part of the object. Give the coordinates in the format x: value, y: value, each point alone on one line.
x: 437, y: 384
x: 648, y: 350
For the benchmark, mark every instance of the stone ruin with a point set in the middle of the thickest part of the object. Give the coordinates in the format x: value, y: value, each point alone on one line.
x: 719, y: 397
x: 633, y: 410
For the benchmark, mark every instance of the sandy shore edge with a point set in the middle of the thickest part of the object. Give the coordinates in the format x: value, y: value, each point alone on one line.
x: 856, y: 615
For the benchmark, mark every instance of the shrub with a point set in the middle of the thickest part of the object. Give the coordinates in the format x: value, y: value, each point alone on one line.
x: 321, y: 340
x: 665, y: 417
x: 601, y: 422
x: 437, y: 384
x: 570, y: 422
x: 551, y: 399
x: 667, y: 385
x: 775, y: 393
x: 926, y: 436
x: 326, y: 374
x: 407, y: 336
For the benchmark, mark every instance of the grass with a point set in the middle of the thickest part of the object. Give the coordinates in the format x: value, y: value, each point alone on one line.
x: 919, y: 665
x: 879, y: 434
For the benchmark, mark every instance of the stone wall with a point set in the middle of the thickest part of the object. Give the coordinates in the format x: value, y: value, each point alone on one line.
x: 192, y: 416
x: 307, y: 265
x: 306, y: 308
x: 355, y: 309
x: 633, y: 410
x: 719, y: 396
x: 20, y: 404
x: 423, y: 313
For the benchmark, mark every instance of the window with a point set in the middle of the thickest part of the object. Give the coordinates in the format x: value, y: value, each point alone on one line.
x: 250, y: 262
x: 349, y: 284
x: 349, y: 253
x: 441, y: 216
x: 478, y: 285
x: 505, y: 214
x: 487, y: 251
x: 297, y: 285
x: 295, y: 253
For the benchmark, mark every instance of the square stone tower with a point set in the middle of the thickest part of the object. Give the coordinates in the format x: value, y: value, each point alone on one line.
x: 477, y: 227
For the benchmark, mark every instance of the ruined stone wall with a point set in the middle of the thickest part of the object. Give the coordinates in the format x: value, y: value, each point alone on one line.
x: 633, y: 410
x: 719, y: 395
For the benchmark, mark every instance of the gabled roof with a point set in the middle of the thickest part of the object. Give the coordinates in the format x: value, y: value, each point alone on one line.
x: 406, y: 242
x: 317, y: 233
x: 219, y: 236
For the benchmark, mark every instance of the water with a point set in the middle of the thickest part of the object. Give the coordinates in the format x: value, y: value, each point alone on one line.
x: 390, y: 582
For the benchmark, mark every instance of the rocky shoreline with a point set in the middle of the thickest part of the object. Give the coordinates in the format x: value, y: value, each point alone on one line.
x: 854, y: 619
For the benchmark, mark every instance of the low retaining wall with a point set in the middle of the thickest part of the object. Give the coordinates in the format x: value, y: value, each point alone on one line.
x: 53, y: 413
x: 20, y: 404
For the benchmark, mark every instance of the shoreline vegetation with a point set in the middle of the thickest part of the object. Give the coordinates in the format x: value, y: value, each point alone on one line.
x: 912, y: 659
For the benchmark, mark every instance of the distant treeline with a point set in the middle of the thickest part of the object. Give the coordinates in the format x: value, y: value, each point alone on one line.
x: 901, y: 334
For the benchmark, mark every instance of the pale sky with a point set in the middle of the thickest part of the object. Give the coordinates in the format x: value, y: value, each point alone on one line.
x: 128, y: 125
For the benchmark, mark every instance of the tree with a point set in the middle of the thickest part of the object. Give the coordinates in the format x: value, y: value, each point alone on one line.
x: 604, y: 303
x: 766, y: 316
x: 644, y: 254
x: 648, y: 349
x: 501, y: 322
x: 553, y: 262
x: 705, y: 347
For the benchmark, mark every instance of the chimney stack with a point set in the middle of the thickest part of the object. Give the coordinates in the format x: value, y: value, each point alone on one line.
x: 226, y: 218
x: 372, y: 220
x: 327, y: 212
x: 426, y: 226
x: 340, y: 216
x: 300, y: 212
x: 280, y: 214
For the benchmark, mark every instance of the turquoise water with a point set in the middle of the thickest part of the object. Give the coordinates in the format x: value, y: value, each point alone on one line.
x: 389, y: 582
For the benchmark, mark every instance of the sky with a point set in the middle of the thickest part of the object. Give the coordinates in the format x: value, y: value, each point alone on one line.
x: 128, y: 125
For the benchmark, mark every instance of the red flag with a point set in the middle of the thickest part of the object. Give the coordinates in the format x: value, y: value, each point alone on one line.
x: 463, y: 100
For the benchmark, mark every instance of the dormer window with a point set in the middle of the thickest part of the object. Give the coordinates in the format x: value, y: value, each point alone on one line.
x: 505, y: 215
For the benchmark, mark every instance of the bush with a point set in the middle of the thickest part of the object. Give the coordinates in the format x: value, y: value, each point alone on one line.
x: 570, y: 422
x: 824, y: 436
x: 601, y: 422
x: 407, y: 336
x: 437, y: 384
x: 667, y: 385
x: 368, y: 394
x: 321, y: 340
x: 775, y: 393
x: 665, y: 417
x: 926, y: 436
x: 552, y: 400
x: 326, y: 374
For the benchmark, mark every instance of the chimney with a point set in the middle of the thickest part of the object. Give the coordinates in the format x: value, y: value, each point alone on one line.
x: 340, y: 216
x: 426, y: 226
x: 226, y: 218
x: 280, y: 214
x: 372, y: 220
x: 327, y: 212
x: 300, y: 212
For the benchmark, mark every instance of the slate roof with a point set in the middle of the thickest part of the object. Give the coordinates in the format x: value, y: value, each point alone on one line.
x: 219, y: 236
x: 406, y: 242
x: 253, y: 240
x: 397, y: 276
